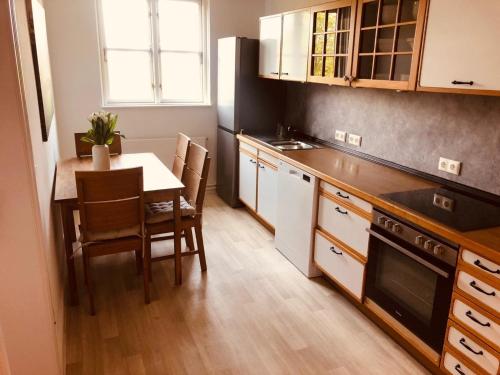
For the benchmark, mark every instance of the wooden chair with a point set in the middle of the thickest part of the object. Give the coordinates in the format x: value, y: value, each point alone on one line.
x: 181, y: 155
x: 159, y: 216
x: 85, y: 149
x: 111, y: 205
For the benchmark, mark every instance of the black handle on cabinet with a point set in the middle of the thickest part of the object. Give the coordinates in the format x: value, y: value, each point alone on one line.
x: 332, y: 249
x: 274, y: 73
x: 462, y: 342
x: 459, y: 369
x: 473, y: 284
x: 339, y: 194
x: 478, y: 263
x: 253, y: 161
x: 340, y: 211
x: 261, y: 166
x: 471, y: 317
x: 470, y: 83
x: 284, y: 74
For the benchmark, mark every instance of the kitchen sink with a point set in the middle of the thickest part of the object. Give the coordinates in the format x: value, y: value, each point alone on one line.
x: 291, y: 144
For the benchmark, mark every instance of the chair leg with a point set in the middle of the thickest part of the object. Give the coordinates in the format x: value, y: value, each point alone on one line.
x: 201, y: 247
x: 147, y: 270
x: 189, y: 238
x: 138, y: 261
x: 86, y: 265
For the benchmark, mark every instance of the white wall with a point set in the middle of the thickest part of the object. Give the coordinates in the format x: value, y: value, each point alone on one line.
x: 74, y: 52
x: 278, y: 6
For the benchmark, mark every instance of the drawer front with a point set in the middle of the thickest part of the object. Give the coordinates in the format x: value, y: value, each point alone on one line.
x: 454, y: 366
x: 269, y: 158
x: 347, y: 197
x: 344, y: 225
x: 346, y: 270
x: 483, y: 292
x: 473, y: 350
x: 483, y: 265
x: 477, y: 322
x: 248, y: 148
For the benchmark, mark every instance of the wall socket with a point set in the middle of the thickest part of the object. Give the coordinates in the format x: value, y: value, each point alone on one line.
x: 340, y: 135
x: 354, y: 139
x: 450, y: 166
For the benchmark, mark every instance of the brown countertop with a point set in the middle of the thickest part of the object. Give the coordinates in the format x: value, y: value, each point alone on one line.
x: 369, y: 180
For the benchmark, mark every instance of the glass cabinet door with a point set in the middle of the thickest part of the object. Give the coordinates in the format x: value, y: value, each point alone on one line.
x: 387, y: 48
x: 332, y: 34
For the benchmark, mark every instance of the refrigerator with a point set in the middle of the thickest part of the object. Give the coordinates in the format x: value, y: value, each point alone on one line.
x: 245, y: 103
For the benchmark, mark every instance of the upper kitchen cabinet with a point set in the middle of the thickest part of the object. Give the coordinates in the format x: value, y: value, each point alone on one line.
x: 462, y: 53
x: 387, y: 46
x: 295, y: 46
x: 270, y: 47
x: 332, y: 35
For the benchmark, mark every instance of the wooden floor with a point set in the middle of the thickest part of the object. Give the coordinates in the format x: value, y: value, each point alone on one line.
x: 252, y: 312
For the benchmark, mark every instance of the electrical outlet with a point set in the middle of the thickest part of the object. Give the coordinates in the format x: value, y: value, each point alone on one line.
x: 354, y: 139
x: 450, y: 166
x: 340, y: 135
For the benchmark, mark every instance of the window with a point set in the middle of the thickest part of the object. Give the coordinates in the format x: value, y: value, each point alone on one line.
x: 153, y: 51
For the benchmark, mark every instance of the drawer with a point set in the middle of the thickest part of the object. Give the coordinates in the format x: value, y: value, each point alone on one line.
x: 339, y: 264
x: 454, y: 366
x: 344, y: 224
x: 480, y: 290
x: 478, y: 322
x: 269, y: 158
x: 347, y: 197
x: 248, y: 148
x: 473, y: 349
x: 483, y: 265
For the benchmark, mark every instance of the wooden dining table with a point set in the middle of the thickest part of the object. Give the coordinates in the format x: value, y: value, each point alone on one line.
x: 160, y: 185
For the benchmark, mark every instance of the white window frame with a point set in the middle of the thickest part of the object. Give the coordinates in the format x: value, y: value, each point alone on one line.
x: 155, y: 51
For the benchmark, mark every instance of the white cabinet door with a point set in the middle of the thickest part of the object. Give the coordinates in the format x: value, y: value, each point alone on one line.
x: 270, y: 46
x: 267, y: 193
x: 461, y: 44
x: 295, y: 47
x: 248, y: 180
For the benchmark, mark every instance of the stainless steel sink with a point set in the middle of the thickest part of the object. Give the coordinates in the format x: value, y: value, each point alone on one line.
x: 291, y: 144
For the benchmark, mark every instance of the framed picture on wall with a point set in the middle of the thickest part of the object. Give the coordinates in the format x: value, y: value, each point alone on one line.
x: 40, y: 52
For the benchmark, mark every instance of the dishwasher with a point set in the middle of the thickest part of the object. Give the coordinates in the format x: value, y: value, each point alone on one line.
x: 296, y: 206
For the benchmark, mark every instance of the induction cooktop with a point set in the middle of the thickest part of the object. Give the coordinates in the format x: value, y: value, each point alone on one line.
x: 456, y: 210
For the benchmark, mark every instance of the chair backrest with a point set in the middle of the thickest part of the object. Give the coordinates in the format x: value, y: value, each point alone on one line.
x: 181, y: 155
x: 195, y: 176
x: 85, y: 149
x: 110, y: 200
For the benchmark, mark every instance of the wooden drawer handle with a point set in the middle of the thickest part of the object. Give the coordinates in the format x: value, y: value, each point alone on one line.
x: 478, y: 263
x: 471, y: 317
x: 473, y: 284
x: 459, y: 369
x: 464, y: 344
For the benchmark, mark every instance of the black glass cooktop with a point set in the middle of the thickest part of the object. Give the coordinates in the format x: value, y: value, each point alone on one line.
x: 451, y: 208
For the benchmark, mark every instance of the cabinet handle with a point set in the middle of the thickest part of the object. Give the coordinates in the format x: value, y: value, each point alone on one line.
x: 463, y: 343
x: 339, y: 194
x: 284, y: 74
x: 470, y: 83
x: 471, y: 317
x: 459, y: 369
x: 473, y: 284
x: 349, y: 78
x: 253, y: 161
x: 332, y: 249
x: 478, y: 263
x: 274, y: 73
x: 340, y: 211
x: 261, y: 166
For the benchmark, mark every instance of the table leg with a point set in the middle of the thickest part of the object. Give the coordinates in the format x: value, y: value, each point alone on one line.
x: 177, y: 238
x: 68, y: 230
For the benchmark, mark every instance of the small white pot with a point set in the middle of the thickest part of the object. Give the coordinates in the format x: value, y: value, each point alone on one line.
x: 100, y: 158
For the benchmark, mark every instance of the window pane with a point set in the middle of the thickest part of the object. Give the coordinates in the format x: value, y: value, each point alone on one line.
x: 126, y: 24
x: 181, y: 76
x: 180, y: 25
x: 129, y: 76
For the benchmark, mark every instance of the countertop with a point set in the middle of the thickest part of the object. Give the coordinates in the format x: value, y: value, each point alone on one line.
x: 369, y: 180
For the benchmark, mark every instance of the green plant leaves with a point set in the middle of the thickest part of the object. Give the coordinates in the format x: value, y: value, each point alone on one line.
x: 102, y: 131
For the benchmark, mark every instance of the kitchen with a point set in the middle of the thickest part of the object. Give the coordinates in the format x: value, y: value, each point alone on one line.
x: 352, y: 215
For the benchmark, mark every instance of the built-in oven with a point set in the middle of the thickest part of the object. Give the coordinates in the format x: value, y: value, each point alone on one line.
x: 410, y: 275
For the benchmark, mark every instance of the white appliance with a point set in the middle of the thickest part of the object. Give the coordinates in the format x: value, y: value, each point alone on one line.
x: 297, y: 203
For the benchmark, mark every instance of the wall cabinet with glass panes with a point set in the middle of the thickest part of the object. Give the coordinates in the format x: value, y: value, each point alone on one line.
x: 387, y: 47
x: 332, y: 35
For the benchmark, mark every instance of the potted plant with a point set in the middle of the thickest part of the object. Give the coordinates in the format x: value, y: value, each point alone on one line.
x: 101, y: 135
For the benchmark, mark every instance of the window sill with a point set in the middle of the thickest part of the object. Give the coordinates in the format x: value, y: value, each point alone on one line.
x: 154, y: 105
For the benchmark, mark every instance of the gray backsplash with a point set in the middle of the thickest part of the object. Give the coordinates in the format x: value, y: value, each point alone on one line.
x: 408, y: 128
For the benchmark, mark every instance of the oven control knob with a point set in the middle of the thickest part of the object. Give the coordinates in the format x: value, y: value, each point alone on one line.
x: 389, y: 224
x: 419, y: 240
x: 381, y: 220
x: 397, y: 228
x: 438, y: 250
x: 428, y: 245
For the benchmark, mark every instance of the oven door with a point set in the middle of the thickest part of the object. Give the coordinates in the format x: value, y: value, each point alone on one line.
x: 409, y: 284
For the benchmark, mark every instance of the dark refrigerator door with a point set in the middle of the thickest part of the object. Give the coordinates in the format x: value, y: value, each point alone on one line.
x: 227, y: 167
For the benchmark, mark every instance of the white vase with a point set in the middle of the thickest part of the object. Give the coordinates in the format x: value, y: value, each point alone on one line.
x: 100, y: 158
